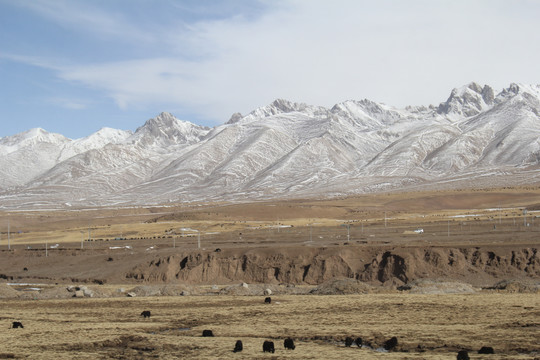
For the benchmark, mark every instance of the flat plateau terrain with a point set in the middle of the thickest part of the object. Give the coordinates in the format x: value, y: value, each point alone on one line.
x: 427, y: 326
x: 442, y: 271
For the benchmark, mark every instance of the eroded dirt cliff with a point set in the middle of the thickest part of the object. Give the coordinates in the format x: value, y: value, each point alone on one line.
x: 307, y: 265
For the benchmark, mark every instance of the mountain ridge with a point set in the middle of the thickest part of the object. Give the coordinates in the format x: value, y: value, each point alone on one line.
x: 283, y: 149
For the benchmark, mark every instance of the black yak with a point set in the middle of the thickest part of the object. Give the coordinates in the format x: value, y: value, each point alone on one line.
x: 268, y: 346
x: 463, y: 355
x: 17, y: 324
x: 146, y: 313
x: 268, y: 300
x: 238, y: 346
x: 207, y: 333
x: 486, y: 350
x: 390, y: 343
x: 348, y: 341
x: 289, y: 344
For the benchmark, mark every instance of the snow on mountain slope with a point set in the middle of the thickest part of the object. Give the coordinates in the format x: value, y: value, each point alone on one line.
x: 284, y: 149
x: 28, y: 154
x: 406, y: 155
x: 124, y: 160
x: 166, y: 130
x: 505, y: 135
x: 97, y: 140
x: 368, y: 115
x: 222, y: 163
x: 467, y: 101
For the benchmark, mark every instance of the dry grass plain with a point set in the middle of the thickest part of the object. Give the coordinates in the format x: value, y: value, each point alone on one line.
x: 382, y: 213
x: 91, y: 328
x: 427, y: 326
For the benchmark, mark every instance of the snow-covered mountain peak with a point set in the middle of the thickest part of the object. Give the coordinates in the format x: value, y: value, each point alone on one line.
x: 281, y: 106
x: 371, y: 115
x: 286, y: 106
x: 518, y: 89
x: 31, y: 137
x: 165, y: 130
x: 37, y: 134
x: 236, y: 117
x: 467, y: 101
x: 109, y: 135
x: 162, y: 121
x: 97, y: 140
x: 285, y: 149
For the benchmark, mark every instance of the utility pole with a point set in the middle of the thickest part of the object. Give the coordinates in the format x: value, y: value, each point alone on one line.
x: 348, y: 226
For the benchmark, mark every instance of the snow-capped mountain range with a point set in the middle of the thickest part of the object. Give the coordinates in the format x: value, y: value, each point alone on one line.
x: 477, y: 137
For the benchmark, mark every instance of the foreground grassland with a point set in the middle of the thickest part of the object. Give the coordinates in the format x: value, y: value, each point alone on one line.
x: 427, y: 326
x: 476, y: 237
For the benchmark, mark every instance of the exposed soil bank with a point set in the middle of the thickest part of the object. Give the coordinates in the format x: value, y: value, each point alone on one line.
x: 393, y: 266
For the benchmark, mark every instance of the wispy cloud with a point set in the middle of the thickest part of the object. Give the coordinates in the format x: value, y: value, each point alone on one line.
x: 34, y: 60
x: 318, y: 52
x: 70, y: 103
x: 85, y: 16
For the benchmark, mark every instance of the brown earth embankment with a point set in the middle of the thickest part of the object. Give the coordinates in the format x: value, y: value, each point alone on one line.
x: 393, y: 266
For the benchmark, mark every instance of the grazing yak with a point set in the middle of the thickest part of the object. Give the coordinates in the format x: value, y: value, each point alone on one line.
x: 390, y: 343
x: 289, y: 344
x: 486, y: 350
x: 463, y: 355
x: 268, y: 346
x: 146, y: 314
x: 268, y: 300
x: 348, y: 341
x: 238, y: 346
x: 17, y: 324
x: 358, y: 341
x: 207, y: 333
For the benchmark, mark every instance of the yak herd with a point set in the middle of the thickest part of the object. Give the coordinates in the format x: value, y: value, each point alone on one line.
x: 288, y: 343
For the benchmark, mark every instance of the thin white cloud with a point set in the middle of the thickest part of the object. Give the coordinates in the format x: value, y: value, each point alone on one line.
x: 84, y: 16
x: 320, y: 52
x: 34, y: 60
x: 70, y: 103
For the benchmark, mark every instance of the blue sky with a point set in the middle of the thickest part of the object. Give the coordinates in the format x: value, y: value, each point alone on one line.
x: 75, y: 66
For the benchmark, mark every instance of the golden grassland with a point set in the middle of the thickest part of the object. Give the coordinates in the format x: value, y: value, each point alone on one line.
x: 401, y: 210
x: 427, y: 326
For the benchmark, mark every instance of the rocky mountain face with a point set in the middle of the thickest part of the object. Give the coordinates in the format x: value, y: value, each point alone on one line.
x: 475, y: 138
